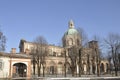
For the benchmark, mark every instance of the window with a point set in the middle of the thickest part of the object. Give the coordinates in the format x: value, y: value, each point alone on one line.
x: 59, y: 55
x: 1, y: 64
x: 50, y: 52
x: 70, y: 42
x: 54, y: 53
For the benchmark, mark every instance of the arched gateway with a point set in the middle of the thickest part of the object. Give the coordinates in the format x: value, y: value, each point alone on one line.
x: 19, y: 70
x: 20, y: 65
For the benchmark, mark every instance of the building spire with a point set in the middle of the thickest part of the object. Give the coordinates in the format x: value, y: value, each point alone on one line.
x: 71, y: 24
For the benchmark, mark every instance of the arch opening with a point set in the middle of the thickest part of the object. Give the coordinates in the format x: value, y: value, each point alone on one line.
x: 60, y: 65
x: 52, y: 67
x: 102, y: 67
x: 19, y: 70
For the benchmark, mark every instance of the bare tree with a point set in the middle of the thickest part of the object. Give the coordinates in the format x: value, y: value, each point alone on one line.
x: 73, y: 55
x: 2, y: 41
x: 80, y: 62
x: 98, y: 61
x: 113, y: 43
x: 84, y: 42
x: 98, y: 51
x: 83, y: 36
x: 33, y: 53
x: 109, y: 57
x: 65, y: 62
x: 88, y: 62
x: 39, y: 54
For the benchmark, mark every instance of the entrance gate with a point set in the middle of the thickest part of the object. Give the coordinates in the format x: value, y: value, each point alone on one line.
x: 19, y: 70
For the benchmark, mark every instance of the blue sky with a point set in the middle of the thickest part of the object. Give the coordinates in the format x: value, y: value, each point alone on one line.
x: 27, y: 19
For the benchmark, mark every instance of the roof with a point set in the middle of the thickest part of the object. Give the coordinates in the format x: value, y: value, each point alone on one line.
x: 15, y: 55
x: 71, y: 31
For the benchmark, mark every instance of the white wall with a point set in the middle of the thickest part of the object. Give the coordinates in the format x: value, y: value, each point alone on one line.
x: 4, y: 72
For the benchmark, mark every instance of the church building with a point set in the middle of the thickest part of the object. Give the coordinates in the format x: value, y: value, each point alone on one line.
x: 21, y: 64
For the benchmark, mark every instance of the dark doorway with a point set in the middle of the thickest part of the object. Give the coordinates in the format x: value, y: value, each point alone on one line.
x: 102, y: 67
x: 19, y: 70
x: 93, y: 68
x: 51, y: 69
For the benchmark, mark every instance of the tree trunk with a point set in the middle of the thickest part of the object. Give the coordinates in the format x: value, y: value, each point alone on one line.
x: 115, y: 65
x: 73, y: 71
x: 116, y: 71
x: 39, y: 70
x: 88, y: 62
x: 33, y: 68
x: 65, y: 63
x: 43, y: 71
x: 80, y: 63
x: 73, y: 74
x: 98, y: 70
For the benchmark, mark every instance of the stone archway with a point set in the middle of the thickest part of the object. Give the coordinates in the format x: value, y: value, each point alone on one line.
x: 102, y: 67
x: 19, y: 70
x: 93, y: 68
x: 22, y: 64
x: 59, y: 68
x: 52, y: 67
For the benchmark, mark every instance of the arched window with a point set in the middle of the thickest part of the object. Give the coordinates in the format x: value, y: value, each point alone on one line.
x: 78, y: 42
x: 70, y: 42
x: 59, y: 68
x: 50, y: 52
